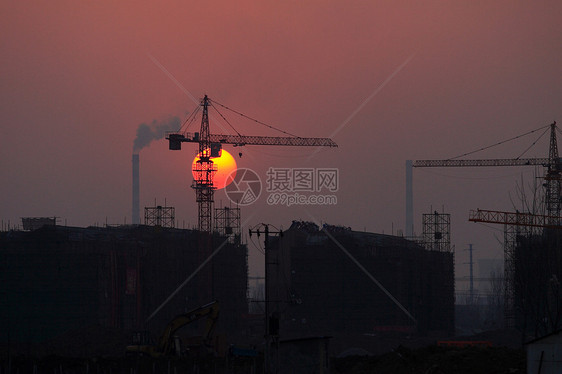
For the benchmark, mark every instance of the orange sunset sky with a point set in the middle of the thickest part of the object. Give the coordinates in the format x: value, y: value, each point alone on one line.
x: 387, y: 80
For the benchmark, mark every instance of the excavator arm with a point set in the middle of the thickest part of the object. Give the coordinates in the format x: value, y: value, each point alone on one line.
x: 165, y: 344
x: 211, y: 311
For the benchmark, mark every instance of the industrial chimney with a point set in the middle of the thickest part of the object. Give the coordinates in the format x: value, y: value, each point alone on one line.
x: 136, y: 209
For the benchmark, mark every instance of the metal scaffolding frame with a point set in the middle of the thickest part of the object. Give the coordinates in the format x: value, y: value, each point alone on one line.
x: 227, y: 223
x: 437, y: 232
x: 163, y: 216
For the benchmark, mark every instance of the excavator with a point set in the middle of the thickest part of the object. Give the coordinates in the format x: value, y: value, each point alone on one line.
x: 169, y: 343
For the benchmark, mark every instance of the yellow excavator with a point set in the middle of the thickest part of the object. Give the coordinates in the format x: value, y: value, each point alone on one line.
x: 169, y: 344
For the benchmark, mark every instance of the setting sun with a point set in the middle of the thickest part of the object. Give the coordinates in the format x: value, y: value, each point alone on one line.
x: 225, y: 165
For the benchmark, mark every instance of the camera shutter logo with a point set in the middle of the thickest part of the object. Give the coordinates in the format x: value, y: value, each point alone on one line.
x: 245, y: 188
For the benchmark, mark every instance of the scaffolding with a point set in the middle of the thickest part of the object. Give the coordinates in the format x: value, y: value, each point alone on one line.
x: 437, y: 232
x: 227, y: 223
x: 163, y: 216
x: 34, y: 223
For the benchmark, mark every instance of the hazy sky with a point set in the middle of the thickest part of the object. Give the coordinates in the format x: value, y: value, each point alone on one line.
x: 392, y: 80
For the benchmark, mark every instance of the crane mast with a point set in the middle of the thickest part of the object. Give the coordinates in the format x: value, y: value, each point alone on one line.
x: 204, y: 171
x: 552, y: 178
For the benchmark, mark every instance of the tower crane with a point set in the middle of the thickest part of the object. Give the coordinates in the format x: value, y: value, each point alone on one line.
x: 552, y: 178
x: 553, y: 192
x: 210, y: 146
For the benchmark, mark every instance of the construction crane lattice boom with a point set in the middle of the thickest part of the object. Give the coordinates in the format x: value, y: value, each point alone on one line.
x: 484, y: 162
x: 515, y: 218
x: 241, y: 140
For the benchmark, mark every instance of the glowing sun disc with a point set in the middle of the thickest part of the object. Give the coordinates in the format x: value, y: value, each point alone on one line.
x: 225, y: 165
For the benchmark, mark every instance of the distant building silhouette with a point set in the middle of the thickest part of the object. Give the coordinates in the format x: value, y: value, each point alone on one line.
x: 56, y: 278
x: 322, y: 292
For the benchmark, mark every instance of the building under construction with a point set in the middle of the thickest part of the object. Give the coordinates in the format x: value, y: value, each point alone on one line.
x: 536, y: 290
x: 343, y: 283
x: 56, y: 279
x: 532, y: 243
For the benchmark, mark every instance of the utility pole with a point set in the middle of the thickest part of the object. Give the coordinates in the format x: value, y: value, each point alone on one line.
x: 271, y: 361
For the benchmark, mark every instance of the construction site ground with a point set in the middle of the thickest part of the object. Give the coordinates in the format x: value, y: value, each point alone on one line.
x: 99, y: 350
x: 429, y: 360
x: 436, y: 360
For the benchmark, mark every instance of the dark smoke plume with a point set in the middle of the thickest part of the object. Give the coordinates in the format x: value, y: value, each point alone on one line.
x: 156, y: 130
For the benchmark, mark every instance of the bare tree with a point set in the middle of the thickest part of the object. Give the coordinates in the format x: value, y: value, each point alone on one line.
x: 495, y: 309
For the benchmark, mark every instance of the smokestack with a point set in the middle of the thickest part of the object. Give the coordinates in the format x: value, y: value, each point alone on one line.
x: 136, y: 209
x: 145, y: 135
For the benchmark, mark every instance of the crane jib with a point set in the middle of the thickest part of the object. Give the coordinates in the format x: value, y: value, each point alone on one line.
x: 176, y: 139
x: 490, y: 162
